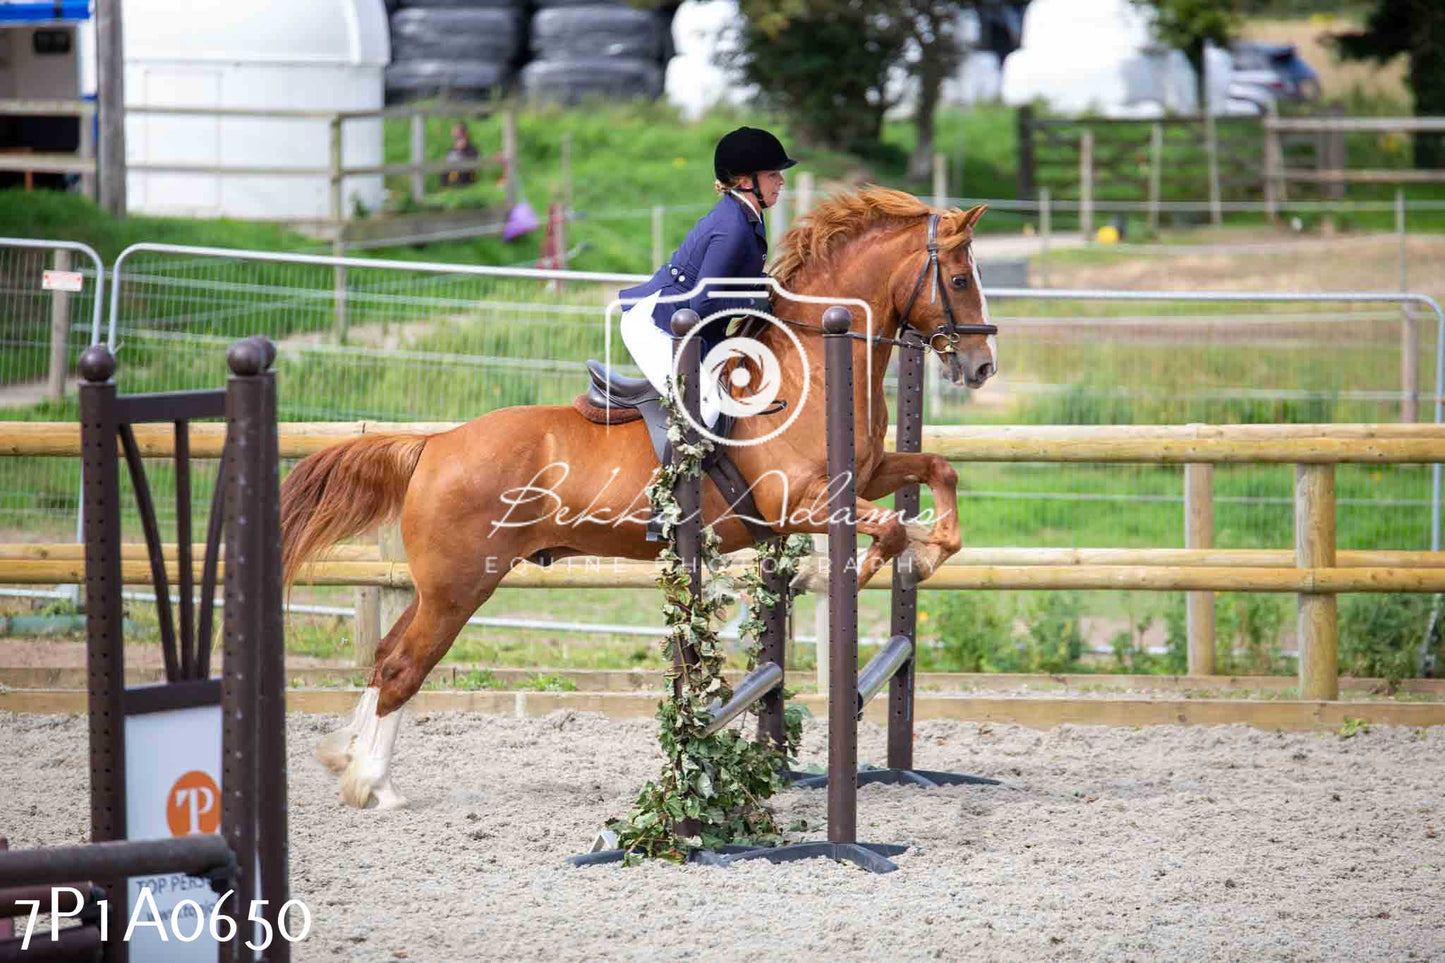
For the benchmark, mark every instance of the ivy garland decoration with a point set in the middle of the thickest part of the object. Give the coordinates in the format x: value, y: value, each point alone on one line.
x: 716, y: 784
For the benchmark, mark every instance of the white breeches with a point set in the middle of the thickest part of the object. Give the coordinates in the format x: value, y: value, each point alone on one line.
x: 651, y: 350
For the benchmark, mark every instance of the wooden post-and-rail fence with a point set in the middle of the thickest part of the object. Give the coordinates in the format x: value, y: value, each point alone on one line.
x: 1314, y: 570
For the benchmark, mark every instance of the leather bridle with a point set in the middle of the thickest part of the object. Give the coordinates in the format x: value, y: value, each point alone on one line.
x: 951, y: 330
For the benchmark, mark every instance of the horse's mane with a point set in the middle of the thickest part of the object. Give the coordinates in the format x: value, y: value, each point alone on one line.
x: 823, y: 231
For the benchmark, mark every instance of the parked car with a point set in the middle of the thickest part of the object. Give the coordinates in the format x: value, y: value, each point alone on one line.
x: 1276, y: 68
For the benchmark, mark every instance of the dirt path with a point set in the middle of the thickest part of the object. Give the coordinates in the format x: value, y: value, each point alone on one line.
x: 1222, y: 843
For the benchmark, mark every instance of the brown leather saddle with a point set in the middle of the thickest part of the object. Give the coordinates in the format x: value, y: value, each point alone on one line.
x: 614, y: 399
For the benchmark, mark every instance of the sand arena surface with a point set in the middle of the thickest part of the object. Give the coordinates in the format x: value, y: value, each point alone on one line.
x: 1203, y: 843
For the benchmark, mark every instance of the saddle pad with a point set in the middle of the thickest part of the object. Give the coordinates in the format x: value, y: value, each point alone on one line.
x: 604, y: 416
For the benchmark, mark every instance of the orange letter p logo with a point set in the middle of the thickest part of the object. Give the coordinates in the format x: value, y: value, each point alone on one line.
x: 193, y: 805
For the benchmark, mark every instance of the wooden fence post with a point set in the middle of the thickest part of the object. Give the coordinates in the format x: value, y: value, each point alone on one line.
x: 1045, y: 233
x: 509, y: 153
x: 60, y: 332
x: 86, y: 151
x: 388, y: 603
x: 1409, y: 337
x: 940, y: 180
x: 1156, y: 166
x: 805, y: 194
x: 366, y: 632
x: 1273, y: 169
x: 418, y: 154
x: 779, y: 222
x: 1086, y: 185
x: 1024, y: 116
x: 561, y: 232
x: 1199, y: 533
x: 1275, y: 193
x: 657, y: 250
x: 1211, y: 154
x: 337, y: 212
x: 339, y: 294
x: 1314, y: 541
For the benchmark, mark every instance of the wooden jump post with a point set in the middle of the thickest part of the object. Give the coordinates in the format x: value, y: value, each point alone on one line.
x: 249, y: 856
x: 849, y: 691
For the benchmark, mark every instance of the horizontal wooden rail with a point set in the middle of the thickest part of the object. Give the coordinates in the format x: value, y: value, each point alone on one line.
x: 967, y: 557
x: 47, y: 163
x: 629, y: 574
x: 46, y: 108
x: 1149, y: 444
x: 1357, y: 124
x: 1363, y: 176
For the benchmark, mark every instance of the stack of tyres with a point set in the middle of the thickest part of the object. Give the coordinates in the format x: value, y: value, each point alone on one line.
x: 456, y: 49
x: 603, y: 50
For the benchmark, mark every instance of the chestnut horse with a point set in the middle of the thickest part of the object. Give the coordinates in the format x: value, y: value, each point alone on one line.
x: 517, y: 482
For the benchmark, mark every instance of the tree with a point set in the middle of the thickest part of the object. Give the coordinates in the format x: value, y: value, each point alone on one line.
x: 1189, y: 25
x: 936, y: 54
x: 824, y: 63
x: 1416, y: 28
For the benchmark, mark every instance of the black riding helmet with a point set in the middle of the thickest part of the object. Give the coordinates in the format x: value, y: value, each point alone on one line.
x: 748, y: 150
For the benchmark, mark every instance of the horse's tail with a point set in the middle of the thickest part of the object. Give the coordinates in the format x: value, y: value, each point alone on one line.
x: 343, y: 491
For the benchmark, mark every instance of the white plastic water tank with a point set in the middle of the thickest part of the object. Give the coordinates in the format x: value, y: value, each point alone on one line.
x: 1096, y: 55
x: 313, y: 55
x: 694, y: 81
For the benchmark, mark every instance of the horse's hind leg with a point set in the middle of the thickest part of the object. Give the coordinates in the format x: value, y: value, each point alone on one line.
x: 424, y: 639
x: 334, y: 750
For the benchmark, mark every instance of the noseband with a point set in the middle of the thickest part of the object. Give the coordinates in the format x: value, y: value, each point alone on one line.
x: 951, y: 330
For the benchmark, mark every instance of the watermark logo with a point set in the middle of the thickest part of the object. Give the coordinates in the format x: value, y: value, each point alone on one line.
x: 756, y: 378
x: 753, y: 373
x: 750, y: 356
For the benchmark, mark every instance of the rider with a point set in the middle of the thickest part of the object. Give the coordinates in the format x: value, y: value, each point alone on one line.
x: 729, y: 241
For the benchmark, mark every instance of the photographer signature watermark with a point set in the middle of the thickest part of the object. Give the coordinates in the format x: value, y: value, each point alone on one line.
x: 538, y: 501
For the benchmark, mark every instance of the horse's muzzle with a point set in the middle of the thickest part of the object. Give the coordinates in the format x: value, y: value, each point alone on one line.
x: 972, y: 368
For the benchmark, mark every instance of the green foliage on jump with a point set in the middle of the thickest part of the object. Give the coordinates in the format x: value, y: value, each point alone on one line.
x: 714, y: 783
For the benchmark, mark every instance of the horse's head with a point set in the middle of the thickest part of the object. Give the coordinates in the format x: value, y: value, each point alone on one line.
x: 938, y: 293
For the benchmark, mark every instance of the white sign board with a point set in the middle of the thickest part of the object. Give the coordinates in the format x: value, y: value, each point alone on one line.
x: 173, y: 780
x: 62, y: 281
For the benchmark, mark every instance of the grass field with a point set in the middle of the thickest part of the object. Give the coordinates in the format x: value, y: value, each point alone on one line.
x: 419, y: 350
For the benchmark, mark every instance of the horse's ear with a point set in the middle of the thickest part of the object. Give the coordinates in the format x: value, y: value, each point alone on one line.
x: 961, y: 222
x: 969, y: 218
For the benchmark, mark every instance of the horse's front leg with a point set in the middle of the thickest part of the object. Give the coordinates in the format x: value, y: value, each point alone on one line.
x: 879, y: 523
x: 927, y: 548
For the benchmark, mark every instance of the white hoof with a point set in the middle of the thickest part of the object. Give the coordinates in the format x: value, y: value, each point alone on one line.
x: 919, y: 562
x: 361, y: 786
x: 906, y: 565
x: 367, y: 772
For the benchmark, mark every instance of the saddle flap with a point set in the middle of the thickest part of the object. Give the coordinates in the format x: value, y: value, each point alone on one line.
x: 608, y: 387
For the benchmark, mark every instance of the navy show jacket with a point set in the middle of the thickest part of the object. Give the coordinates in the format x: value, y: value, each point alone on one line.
x: 729, y: 241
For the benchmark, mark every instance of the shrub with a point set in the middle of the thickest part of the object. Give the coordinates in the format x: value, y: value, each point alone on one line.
x: 1053, y: 636
x: 1246, y: 634
x: 971, y: 627
x: 1381, y: 635
x: 981, y: 632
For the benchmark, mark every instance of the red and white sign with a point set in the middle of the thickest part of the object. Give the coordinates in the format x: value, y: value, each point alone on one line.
x: 62, y: 281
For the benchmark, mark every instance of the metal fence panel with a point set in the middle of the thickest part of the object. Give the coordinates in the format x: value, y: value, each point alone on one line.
x: 51, y: 298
